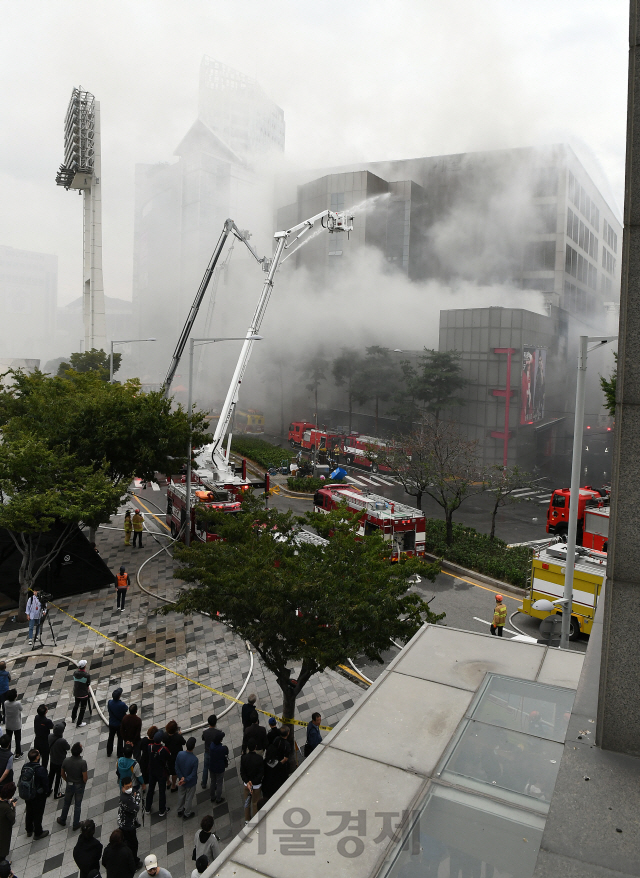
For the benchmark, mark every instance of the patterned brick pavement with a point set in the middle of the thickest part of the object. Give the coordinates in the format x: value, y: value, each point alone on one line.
x: 196, y: 646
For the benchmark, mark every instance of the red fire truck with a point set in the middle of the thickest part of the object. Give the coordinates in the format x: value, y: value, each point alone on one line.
x: 320, y: 440
x: 596, y: 529
x: 212, y: 497
x: 296, y: 429
x: 401, y: 525
x: 359, y: 450
x: 558, y: 511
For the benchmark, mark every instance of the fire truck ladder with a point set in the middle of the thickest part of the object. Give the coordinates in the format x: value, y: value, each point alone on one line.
x: 229, y: 228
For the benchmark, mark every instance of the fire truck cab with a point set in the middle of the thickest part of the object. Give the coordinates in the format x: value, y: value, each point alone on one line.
x: 296, y: 430
x: 558, y: 511
x: 359, y: 451
x: 212, y: 497
x: 399, y: 524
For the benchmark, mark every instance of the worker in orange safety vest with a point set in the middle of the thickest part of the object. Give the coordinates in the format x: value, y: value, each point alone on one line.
x: 122, y: 584
x: 499, y: 617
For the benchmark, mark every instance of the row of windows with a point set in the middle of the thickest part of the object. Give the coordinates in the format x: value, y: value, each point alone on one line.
x: 609, y: 236
x: 584, y: 238
x: 577, y: 301
x: 579, y: 197
x: 608, y: 262
x: 577, y: 266
x: 540, y: 256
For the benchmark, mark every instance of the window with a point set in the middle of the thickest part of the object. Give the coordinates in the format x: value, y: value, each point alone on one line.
x: 540, y: 256
x: 608, y: 262
x: 610, y: 237
x: 546, y: 216
x: 580, y: 268
x: 337, y: 201
x: 587, y: 207
x: 558, y: 501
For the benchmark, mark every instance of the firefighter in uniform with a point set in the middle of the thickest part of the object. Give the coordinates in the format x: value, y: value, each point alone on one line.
x: 499, y: 617
x: 128, y: 527
x: 138, y: 525
x: 122, y: 584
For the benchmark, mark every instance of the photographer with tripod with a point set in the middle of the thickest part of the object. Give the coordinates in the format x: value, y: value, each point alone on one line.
x: 37, y: 611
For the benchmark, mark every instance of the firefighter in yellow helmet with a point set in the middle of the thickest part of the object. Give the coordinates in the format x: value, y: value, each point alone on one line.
x: 128, y: 527
x: 138, y: 526
x: 499, y: 616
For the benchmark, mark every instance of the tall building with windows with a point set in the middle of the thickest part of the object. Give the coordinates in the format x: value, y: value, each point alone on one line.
x: 531, y: 218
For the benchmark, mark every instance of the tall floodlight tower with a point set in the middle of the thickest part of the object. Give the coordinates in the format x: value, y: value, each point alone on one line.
x: 81, y: 170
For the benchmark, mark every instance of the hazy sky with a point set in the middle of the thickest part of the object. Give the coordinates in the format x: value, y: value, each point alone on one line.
x: 365, y: 79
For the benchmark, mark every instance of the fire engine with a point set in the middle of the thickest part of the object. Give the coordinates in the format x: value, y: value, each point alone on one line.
x: 202, y: 494
x: 360, y: 450
x: 595, y: 533
x: 558, y: 511
x: 397, y: 523
x: 296, y: 429
x: 320, y: 440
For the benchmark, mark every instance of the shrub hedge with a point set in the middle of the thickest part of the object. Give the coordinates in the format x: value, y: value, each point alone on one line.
x: 263, y: 453
x: 477, y: 552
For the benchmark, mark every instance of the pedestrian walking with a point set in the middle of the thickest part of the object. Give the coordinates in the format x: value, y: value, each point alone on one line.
x: 274, y: 732
x: 252, y: 773
x: 201, y: 866
x: 86, y: 853
x: 58, y: 749
x: 74, y: 773
x: 152, y: 868
x: 81, y: 683
x: 117, y: 710
x: 138, y: 526
x: 33, y: 788
x: 128, y: 816
x: 34, y: 614
x: 218, y: 762
x: 313, y: 734
x: 207, y: 737
x: 7, y: 817
x: 127, y: 528
x: 206, y: 842
x: 5, y: 679
x: 13, y: 720
x: 145, y: 745
x: 257, y: 733
x: 277, y: 764
x: 122, y: 586
x: 42, y: 728
x: 247, y: 712
x: 499, y: 617
x: 126, y: 768
x: 175, y: 742
x: 6, y: 760
x: 130, y: 729
x: 159, y: 756
x: 187, y: 772
x: 117, y: 858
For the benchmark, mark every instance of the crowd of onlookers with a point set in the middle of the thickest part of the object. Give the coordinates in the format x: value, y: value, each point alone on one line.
x: 162, y: 760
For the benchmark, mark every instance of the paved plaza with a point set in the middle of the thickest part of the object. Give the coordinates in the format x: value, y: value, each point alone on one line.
x: 195, y: 646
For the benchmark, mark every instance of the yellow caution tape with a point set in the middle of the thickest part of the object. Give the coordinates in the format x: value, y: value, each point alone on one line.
x: 296, y: 722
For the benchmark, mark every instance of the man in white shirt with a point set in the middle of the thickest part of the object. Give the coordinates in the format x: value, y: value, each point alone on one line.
x: 152, y: 869
x: 34, y: 614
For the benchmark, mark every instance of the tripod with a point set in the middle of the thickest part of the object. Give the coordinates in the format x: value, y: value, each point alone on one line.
x: 45, y: 615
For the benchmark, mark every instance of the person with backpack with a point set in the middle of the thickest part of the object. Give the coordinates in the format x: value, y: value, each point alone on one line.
x: 86, y: 853
x: 122, y: 585
x: 58, y: 749
x: 81, y: 683
x: 159, y: 756
x: 218, y: 762
x: 33, y: 789
x: 117, y: 710
x: 6, y: 760
x: 75, y: 774
x: 5, y: 679
x: 42, y: 728
x: 128, y: 817
x: 13, y: 720
x: 145, y: 750
x: 7, y: 817
x: 126, y: 768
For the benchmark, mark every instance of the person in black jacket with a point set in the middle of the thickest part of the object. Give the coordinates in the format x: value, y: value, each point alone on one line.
x: 128, y: 817
x: 175, y: 742
x: 158, y: 772
x: 81, y: 683
x: 42, y: 728
x: 86, y: 853
x: 58, y: 749
x: 274, y: 732
x: 145, y: 749
x: 252, y: 773
x: 7, y: 817
x: 276, y: 764
x: 117, y: 711
x: 247, y: 712
x: 117, y: 857
x: 35, y: 807
x: 257, y: 733
x: 218, y: 761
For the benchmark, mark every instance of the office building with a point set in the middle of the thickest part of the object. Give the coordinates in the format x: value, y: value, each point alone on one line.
x: 28, y: 298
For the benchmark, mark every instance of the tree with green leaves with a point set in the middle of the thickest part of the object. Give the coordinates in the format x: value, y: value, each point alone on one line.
x: 301, y: 606
x: 435, y: 383
x: 377, y: 380
x: 502, y: 483
x: 609, y: 388
x: 42, y: 487
x: 90, y: 361
x: 346, y: 370
x: 315, y: 371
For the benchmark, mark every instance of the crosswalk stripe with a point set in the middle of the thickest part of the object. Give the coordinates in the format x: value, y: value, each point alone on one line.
x: 384, y: 481
x: 155, y: 486
x: 367, y: 480
x: 354, y: 480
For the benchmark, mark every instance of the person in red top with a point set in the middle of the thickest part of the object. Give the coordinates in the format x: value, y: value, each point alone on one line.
x: 122, y: 584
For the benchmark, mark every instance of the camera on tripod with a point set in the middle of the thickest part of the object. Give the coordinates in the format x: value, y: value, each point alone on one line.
x: 44, y: 597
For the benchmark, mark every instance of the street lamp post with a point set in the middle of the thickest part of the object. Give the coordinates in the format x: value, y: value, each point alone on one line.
x: 192, y: 344
x: 124, y: 341
x: 574, y: 493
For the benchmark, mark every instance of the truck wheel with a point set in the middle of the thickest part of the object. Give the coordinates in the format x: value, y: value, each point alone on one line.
x: 174, y: 530
x: 574, y: 629
x: 374, y: 467
x: 349, y: 459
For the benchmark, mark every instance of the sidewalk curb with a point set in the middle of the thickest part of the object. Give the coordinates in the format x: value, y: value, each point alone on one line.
x: 481, y: 577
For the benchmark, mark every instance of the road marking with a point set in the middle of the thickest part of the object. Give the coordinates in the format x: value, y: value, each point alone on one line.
x: 355, y: 481
x: 484, y: 621
x: 484, y: 587
x: 384, y: 481
x: 163, y: 523
x: 368, y: 481
x: 155, y: 486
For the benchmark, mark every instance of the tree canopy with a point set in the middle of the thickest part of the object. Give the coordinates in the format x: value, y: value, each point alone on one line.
x: 434, y: 384
x: 501, y: 483
x: 346, y: 370
x: 609, y: 388
x: 377, y: 380
x: 298, y: 604
x: 90, y: 361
